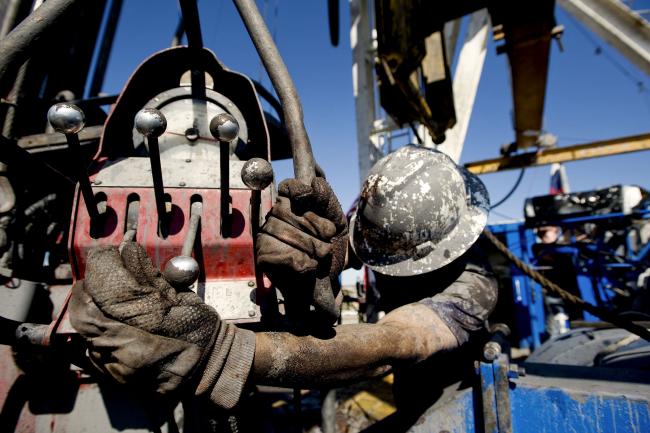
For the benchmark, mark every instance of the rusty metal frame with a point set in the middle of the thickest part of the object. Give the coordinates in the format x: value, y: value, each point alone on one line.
x: 616, y: 146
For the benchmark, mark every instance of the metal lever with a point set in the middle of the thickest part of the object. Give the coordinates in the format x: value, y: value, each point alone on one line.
x: 257, y: 174
x: 225, y: 129
x: 304, y: 166
x: 182, y: 271
x: 68, y: 119
x: 152, y: 124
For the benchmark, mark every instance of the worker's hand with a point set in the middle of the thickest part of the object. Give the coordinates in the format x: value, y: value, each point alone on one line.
x: 420, y: 332
x: 141, y: 331
x: 305, y: 234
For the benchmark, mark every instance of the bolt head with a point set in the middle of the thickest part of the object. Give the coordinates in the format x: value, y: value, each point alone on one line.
x: 224, y: 127
x: 491, y: 350
x: 257, y: 173
x: 181, y: 271
x: 150, y: 122
x: 66, y: 118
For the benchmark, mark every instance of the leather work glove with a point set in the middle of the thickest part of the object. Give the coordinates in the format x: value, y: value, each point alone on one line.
x: 304, y: 241
x: 141, y: 331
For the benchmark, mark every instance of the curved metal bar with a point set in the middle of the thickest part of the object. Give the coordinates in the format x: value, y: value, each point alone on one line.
x: 21, y: 42
x: 303, y: 158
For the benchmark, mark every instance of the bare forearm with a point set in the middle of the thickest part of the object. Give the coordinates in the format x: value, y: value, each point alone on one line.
x: 353, y: 352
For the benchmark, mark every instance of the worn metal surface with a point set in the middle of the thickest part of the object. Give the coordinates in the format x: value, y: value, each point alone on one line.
x: 527, y: 30
x: 44, y: 395
x: 554, y: 399
x: 188, y: 121
x: 136, y: 173
x: 597, y: 149
x: 51, y: 141
x: 220, y: 258
x: 418, y: 211
x: 33, y: 334
x: 15, y: 299
x: 234, y: 299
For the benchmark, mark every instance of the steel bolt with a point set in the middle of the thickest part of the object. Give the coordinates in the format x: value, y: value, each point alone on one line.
x: 257, y: 173
x: 181, y: 183
x: 251, y: 313
x: 150, y: 122
x: 491, y: 350
x: 66, y: 118
x: 224, y: 127
x: 251, y: 284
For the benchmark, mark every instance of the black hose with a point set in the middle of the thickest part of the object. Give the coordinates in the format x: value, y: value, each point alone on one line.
x: 512, y: 190
x: 304, y: 166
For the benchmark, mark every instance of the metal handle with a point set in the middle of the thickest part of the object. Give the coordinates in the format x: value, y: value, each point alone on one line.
x: 303, y: 158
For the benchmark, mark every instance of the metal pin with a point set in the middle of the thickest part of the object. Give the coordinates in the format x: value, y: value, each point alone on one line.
x: 68, y: 119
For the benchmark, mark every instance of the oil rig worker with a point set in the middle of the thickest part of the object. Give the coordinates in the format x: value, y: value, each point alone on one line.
x: 418, y: 217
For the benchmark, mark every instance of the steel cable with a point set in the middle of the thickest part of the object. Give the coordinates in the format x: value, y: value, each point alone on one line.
x: 563, y: 294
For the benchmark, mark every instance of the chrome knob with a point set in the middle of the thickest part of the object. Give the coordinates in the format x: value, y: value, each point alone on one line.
x: 150, y: 122
x: 181, y: 271
x: 224, y: 127
x: 66, y: 118
x: 257, y: 173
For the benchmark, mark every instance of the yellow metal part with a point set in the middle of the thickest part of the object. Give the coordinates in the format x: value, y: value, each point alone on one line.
x: 372, y: 400
x: 596, y: 149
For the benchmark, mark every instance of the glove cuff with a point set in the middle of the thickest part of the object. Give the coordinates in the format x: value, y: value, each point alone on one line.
x: 228, y: 366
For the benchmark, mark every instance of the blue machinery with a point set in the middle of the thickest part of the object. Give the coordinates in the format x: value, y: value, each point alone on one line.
x: 543, y: 398
x: 600, y: 265
x: 553, y: 398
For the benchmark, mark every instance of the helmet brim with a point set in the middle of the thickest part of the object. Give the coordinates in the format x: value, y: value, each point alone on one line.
x: 469, y: 227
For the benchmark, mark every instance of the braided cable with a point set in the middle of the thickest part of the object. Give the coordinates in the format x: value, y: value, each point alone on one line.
x: 566, y: 296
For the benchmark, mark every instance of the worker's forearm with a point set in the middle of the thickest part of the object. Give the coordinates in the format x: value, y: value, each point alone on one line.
x: 353, y: 352
x: 410, y: 333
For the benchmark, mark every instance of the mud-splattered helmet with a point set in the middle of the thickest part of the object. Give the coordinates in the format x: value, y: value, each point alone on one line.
x: 417, y: 212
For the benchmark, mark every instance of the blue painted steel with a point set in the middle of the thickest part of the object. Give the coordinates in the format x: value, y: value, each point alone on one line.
x: 488, y: 398
x: 587, y: 293
x: 553, y: 410
x: 527, y: 294
x: 540, y: 404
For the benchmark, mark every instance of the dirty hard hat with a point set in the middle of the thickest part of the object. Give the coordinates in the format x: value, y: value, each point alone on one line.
x: 417, y: 212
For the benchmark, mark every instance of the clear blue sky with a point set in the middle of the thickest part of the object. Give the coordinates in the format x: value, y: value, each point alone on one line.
x: 588, y: 97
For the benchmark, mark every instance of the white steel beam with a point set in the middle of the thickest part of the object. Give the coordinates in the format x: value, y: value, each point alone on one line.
x: 466, y: 81
x: 363, y: 85
x: 617, y: 24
